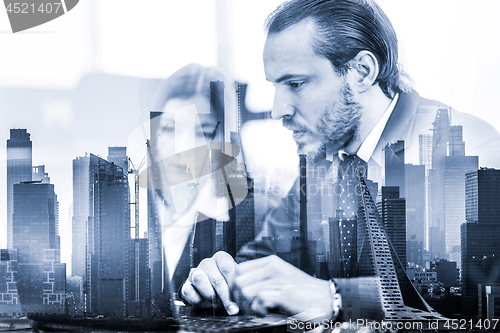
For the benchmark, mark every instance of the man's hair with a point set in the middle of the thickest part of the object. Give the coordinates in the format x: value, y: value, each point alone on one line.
x: 344, y: 28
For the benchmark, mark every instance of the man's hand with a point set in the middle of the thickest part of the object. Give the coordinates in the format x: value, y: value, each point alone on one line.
x: 271, y: 283
x: 213, y: 276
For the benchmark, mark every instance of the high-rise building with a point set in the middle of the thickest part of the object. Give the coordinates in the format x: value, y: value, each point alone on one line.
x: 40, y: 276
x: 394, y: 154
x: 154, y: 225
x: 455, y: 168
x: 9, y: 296
x: 108, y: 238
x: 118, y: 155
x: 40, y: 174
x: 34, y: 221
x: 446, y: 185
x: 138, y: 284
x: 83, y: 211
x: 343, y: 245
x: 414, y: 252
x: 480, y: 246
x: 415, y: 202
x: 19, y: 163
x: 425, y: 150
x: 482, y: 191
x: 392, y: 210
x: 479, y: 236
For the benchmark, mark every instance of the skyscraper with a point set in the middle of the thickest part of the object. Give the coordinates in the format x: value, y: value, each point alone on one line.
x: 34, y: 221
x: 343, y: 245
x: 108, y: 238
x: 19, y: 162
x: 40, y: 174
x: 480, y: 235
x: 83, y: 211
x: 415, y: 202
x: 118, y: 155
x: 425, y: 150
x: 154, y: 225
x: 394, y: 154
x: 41, y: 277
x: 392, y: 210
x: 446, y: 187
x: 482, y: 190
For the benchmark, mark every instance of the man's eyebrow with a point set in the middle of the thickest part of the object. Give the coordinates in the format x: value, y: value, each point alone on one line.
x: 288, y: 77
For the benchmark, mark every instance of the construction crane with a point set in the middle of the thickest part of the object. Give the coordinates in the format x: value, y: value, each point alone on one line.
x: 135, y: 171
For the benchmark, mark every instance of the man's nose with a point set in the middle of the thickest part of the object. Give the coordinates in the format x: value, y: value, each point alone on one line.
x: 282, y: 105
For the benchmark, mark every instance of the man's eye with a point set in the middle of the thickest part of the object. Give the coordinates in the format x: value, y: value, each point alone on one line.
x: 295, y: 84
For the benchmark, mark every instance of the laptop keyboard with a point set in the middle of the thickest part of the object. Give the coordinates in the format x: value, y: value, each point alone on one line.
x: 227, y: 324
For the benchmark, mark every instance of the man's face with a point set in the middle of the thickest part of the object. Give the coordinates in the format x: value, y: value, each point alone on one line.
x: 311, y: 98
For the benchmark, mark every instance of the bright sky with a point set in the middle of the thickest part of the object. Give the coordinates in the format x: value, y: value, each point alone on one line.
x: 449, y: 48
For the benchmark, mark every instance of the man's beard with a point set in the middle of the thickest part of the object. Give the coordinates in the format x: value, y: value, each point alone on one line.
x: 337, y: 125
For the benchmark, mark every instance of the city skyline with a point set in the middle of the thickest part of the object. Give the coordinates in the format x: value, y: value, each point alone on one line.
x: 91, y: 176
x: 58, y: 114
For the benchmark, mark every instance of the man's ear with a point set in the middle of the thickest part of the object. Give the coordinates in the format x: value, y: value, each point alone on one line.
x: 365, y: 69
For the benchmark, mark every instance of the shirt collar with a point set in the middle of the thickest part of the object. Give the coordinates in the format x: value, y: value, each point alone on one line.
x: 368, y: 146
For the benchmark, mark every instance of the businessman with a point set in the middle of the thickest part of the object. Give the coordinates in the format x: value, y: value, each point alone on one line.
x: 339, y: 88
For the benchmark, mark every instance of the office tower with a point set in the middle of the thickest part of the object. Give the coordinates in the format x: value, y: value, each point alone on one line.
x: 243, y: 113
x: 482, y: 191
x: 244, y: 211
x: 240, y: 229
x: 394, y: 154
x: 138, y: 285
x: 447, y: 273
x: 392, y: 210
x: 19, y: 162
x: 108, y: 236
x: 454, y: 199
x: 425, y: 150
x: 34, y: 221
x: 480, y: 246
x: 42, y: 285
x: 377, y: 257
x: 343, y: 245
x: 154, y: 225
x: 446, y: 182
x: 39, y: 174
x: 414, y: 252
x: 9, y: 297
x: 83, y: 211
x: 319, y: 203
x: 480, y: 235
x: 415, y: 202
x: 118, y: 155
x: 41, y: 277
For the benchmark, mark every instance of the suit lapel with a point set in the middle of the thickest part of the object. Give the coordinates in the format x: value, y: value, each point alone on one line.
x: 400, y: 123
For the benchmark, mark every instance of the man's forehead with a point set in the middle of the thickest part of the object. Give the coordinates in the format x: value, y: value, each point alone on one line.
x: 290, y: 52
